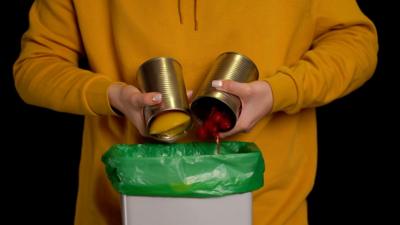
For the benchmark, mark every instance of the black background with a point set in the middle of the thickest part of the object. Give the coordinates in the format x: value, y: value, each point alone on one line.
x: 40, y: 149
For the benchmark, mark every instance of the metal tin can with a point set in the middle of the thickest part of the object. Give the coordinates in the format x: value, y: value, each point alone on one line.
x: 228, y: 66
x: 164, y: 75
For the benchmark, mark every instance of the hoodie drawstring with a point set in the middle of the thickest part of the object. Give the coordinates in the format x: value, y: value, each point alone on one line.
x: 196, y: 24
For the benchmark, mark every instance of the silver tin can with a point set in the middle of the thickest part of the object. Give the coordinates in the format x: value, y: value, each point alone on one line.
x: 228, y: 66
x: 164, y: 75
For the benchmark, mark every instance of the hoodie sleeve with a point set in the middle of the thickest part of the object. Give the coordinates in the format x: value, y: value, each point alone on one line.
x: 46, y: 73
x: 342, y: 57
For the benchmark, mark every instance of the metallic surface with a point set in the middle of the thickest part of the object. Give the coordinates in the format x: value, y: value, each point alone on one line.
x: 228, y: 66
x: 164, y: 75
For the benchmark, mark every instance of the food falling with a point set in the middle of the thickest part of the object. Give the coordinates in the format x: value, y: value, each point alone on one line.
x: 216, y: 122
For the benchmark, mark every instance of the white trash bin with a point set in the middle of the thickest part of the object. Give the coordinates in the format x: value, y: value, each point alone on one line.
x: 185, y: 183
x: 233, y: 209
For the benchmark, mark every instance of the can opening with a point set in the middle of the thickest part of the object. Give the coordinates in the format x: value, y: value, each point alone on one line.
x: 202, y: 107
x: 169, y: 125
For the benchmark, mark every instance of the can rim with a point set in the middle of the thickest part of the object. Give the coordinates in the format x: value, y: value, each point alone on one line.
x: 199, y: 102
x: 169, y: 139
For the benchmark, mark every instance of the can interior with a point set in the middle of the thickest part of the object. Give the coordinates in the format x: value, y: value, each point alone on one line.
x: 165, y: 137
x: 201, y: 108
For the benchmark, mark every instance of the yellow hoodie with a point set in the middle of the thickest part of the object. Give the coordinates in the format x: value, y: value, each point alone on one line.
x: 310, y: 51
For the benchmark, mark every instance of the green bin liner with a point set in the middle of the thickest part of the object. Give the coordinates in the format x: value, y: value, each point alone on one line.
x: 184, y: 169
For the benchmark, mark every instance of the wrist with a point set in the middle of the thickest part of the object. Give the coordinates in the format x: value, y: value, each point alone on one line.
x: 284, y: 92
x: 114, y: 93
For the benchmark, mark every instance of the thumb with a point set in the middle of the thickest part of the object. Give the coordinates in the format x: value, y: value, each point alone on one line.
x: 232, y: 87
x: 151, y: 98
x: 189, y: 94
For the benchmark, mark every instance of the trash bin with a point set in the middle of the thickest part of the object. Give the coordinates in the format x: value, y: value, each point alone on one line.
x: 187, y: 183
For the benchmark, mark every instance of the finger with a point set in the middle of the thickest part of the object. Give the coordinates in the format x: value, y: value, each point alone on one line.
x: 142, y: 99
x: 140, y: 126
x: 235, y: 130
x: 233, y: 87
x: 189, y: 94
x: 242, y: 126
x: 137, y: 119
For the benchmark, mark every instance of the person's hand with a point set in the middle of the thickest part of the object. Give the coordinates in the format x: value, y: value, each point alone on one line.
x: 130, y: 101
x: 256, y: 98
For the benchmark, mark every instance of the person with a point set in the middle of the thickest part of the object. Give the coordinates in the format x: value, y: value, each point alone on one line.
x: 308, y: 53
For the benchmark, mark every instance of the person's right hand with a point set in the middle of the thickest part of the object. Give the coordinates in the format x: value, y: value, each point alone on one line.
x: 130, y: 101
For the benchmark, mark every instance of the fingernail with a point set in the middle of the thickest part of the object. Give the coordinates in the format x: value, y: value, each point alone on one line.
x: 156, y: 98
x: 216, y: 83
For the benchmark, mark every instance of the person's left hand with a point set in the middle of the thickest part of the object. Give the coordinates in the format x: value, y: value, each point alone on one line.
x: 256, y: 98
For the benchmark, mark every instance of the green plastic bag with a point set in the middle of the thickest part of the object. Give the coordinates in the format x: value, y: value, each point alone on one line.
x: 184, y: 170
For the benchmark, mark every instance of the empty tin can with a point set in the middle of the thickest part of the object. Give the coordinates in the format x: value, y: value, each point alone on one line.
x: 164, y: 75
x: 228, y: 66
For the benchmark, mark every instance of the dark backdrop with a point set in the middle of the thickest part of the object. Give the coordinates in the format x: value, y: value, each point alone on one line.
x: 41, y: 148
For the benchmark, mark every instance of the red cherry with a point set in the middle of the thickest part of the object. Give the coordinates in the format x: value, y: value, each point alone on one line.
x: 216, y: 117
x: 202, y: 133
x: 225, y: 124
x: 214, y: 133
x: 210, y: 126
